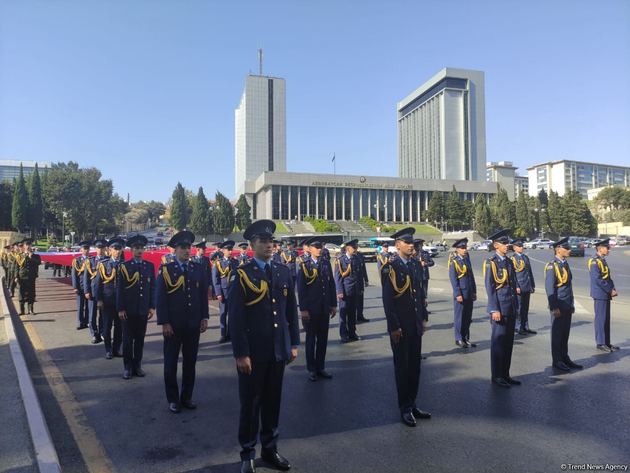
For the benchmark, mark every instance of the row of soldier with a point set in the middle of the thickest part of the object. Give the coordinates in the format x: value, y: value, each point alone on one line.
x: 21, y: 269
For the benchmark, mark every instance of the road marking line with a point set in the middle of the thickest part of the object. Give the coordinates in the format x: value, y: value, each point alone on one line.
x: 90, y: 446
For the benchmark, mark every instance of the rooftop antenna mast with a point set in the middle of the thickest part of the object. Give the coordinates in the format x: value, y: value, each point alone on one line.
x: 260, y: 62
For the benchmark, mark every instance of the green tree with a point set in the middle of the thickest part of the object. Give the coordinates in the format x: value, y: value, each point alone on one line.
x: 200, y: 218
x: 503, y: 210
x: 611, y: 198
x: 20, y: 210
x: 6, y: 204
x: 483, y: 216
x: 454, y: 210
x: 524, y: 220
x: 435, y: 212
x: 179, y: 208
x: 559, y: 222
x: 243, y: 213
x: 468, y: 212
x: 223, y: 215
x: 581, y: 221
x: 36, y: 203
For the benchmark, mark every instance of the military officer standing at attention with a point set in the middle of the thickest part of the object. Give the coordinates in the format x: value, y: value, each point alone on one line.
x: 265, y: 338
x: 182, y: 311
x: 289, y: 258
x: 104, y: 292
x: 277, y: 252
x: 221, y: 271
x: 301, y: 258
x: 559, y: 291
x: 317, y: 297
x: 349, y: 285
x: 13, y: 267
x: 242, y: 257
x: 95, y: 321
x: 383, y: 257
x: 426, y: 262
x: 464, y: 292
x: 202, y: 260
x: 501, y: 288
x: 361, y: 318
x: 602, y: 292
x: 405, y: 308
x: 78, y: 267
x: 525, y: 285
x: 135, y: 290
x: 27, y: 265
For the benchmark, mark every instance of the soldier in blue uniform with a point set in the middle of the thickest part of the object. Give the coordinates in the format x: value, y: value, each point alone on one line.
x: 602, y: 292
x: 426, y: 262
x: 404, y: 302
x: 201, y: 259
x: 289, y: 258
x: 221, y: 271
x: 168, y: 257
x: 383, y: 257
x: 500, y: 280
x: 181, y: 300
x: 361, y: 318
x: 95, y: 320
x: 525, y: 285
x: 318, y: 304
x: 135, y: 303
x: 301, y: 258
x: 242, y: 256
x: 217, y: 253
x: 559, y: 291
x: 78, y: 268
x: 265, y: 337
x: 464, y: 292
x: 349, y: 283
x: 104, y: 292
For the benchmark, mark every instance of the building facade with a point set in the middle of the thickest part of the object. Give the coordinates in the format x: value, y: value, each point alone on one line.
x: 441, y: 128
x: 10, y: 168
x: 521, y: 184
x: 293, y: 196
x: 566, y: 175
x: 260, y: 129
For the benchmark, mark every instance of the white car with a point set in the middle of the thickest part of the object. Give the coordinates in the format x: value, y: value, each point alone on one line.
x: 538, y: 243
x: 432, y: 250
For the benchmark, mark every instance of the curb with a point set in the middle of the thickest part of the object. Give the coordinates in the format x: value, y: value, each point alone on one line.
x: 47, y: 459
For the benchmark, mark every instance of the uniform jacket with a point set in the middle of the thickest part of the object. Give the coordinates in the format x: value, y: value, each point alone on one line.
x: 242, y: 259
x: 204, y: 262
x: 106, y: 280
x: 288, y: 258
x: 558, y: 285
x: 500, y: 280
x: 262, y: 314
x: 316, y: 286
x: 135, y: 288
x: 462, y: 278
x: 89, y: 272
x: 403, y: 296
x: 601, y: 282
x: 27, y: 265
x: 181, y: 300
x: 221, y: 271
x: 77, y: 272
x: 524, y: 275
x: 349, y: 278
x: 382, y: 259
x: 426, y: 257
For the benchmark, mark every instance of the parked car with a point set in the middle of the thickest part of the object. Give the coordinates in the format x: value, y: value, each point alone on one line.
x: 577, y: 246
x: 622, y: 240
x: 538, y: 243
x: 482, y: 245
x: 431, y: 249
x: 368, y: 250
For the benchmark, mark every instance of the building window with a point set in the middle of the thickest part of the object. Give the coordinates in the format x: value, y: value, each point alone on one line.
x: 330, y: 193
x: 321, y: 208
x: 339, y: 206
x: 284, y: 206
x: 275, y: 202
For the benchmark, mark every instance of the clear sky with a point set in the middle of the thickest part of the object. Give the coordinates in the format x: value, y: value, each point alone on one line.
x: 145, y: 90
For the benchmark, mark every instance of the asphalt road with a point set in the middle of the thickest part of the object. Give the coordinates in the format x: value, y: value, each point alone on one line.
x: 350, y: 423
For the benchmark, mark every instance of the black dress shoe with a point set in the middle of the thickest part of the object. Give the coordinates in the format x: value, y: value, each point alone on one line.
x: 139, y: 372
x: 522, y: 331
x: 461, y: 344
x: 501, y: 382
x: 324, y: 374
x: 108, y: 355
x: 575, y: 366
x: 188, y: 404
x: 355, y: 338
x: 223, y: 340
x: 117, y: 354
x: 561, y: 366
x: 94, y: 340
x: 344, y: 340
x: 248, y: 466
x: 418, y: 414
x: 276, y: 460
x: 604, y: 348
x: 81, y: 327
x: 312, y: 376
x: 530, y: 331
x: 513, y: 381
x: 613, y: 347
x: 362, y: 320
x: 174, y: 407
x: 469, y: 344
x: 408, y: 419
x: 127, y: 374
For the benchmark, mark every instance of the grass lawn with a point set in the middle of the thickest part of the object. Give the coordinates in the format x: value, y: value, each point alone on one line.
x: 280, y: 228
x: 420, y: 228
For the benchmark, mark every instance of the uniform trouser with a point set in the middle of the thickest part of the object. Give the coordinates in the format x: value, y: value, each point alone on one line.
x: 602, y: 321
x: 27, y: 291
x: 316, y: 341
x: 12, y: 285
x: 186, y: 340
x: 110, y: 319
x: 523, y: 310
x: 82, y: 309
x: 260, y: 394
x: 425, y: 288
x: 501, y: 345
x: 560, y: 329
x: 463, y: 319
x: 133, y: 330
x: 348, y: 316
x: 223, y: 317
x: 407, y: 355
x: 360, y: 302
x: 95, y: 322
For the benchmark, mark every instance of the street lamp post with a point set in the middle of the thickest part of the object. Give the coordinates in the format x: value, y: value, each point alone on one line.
x: 63, y: 225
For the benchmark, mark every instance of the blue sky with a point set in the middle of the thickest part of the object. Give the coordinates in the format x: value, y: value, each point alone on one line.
x: 146, y: 90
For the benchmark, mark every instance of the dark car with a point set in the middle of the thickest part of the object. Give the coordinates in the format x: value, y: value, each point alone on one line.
x: 577, y: 246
